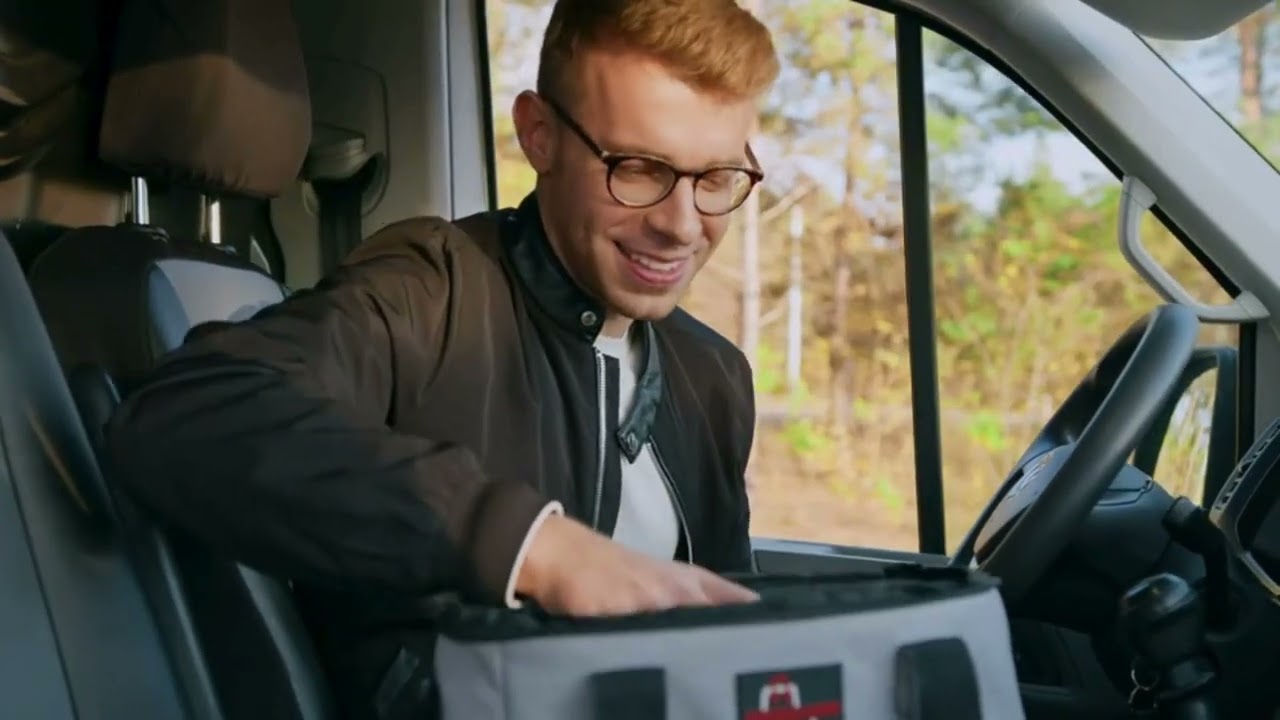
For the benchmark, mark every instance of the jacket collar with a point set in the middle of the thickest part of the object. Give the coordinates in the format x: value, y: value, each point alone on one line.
x: 550, y: 287
x: 545, y: 277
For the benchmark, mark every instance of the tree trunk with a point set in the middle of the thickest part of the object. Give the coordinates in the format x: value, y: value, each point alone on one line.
x: 851, y: 231
x: 750, y: 340
x: 1250, y: 36
x: 751, y: 276
x: 795, y: 301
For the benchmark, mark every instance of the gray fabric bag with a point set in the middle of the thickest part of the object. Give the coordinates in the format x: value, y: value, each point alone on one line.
x: 909, y: 644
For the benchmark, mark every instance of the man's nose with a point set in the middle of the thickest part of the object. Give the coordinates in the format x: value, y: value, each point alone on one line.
x: 677, y: 215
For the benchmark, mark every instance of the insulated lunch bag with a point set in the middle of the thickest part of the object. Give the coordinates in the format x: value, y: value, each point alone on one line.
x: 909, y: 643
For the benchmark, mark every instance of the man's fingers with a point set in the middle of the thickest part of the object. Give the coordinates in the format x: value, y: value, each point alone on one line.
x: 721, y: 591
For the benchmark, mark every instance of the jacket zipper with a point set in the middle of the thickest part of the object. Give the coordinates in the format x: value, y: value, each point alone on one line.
x: 675, y: 498
x: 603, y: 405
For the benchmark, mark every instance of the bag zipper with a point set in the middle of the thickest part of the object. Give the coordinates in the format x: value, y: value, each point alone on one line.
x: 675, y: 499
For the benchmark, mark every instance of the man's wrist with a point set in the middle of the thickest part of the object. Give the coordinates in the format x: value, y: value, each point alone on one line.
x: 522, y: 579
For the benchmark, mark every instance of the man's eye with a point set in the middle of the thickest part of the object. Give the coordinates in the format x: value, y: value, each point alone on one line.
x: 714, y: 182
x: 639, y: 169
x: 719, y: 180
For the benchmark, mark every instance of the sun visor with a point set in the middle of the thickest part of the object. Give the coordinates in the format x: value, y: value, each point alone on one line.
x: 1177, y: 19
x: 212, y: 94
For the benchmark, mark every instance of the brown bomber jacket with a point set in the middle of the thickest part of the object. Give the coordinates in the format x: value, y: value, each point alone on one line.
x: 392, y: 433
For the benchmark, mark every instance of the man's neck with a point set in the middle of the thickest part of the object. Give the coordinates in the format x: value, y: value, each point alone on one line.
x: 615, y: 326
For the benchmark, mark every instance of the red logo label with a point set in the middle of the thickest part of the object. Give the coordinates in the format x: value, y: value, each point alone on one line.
x: 808, y: 693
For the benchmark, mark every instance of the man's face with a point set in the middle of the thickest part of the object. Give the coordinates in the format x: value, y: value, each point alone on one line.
x: 638, y: 261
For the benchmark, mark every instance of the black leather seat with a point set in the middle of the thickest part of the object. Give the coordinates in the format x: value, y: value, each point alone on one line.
x: 79, y: 638
x: 115, y: 299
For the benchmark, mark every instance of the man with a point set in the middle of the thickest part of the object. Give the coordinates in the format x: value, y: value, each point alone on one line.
x: 507, y: 407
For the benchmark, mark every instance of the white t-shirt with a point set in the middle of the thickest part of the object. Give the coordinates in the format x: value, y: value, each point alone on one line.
x: 647, y: 521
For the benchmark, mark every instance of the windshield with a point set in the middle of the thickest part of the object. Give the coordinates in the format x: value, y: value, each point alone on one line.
x: 1236, y: 73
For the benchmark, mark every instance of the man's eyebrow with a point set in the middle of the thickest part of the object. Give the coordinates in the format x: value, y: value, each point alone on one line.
x: 626, y: 149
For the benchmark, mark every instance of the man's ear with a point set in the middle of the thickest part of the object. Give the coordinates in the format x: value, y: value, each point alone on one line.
x: 535, y: 130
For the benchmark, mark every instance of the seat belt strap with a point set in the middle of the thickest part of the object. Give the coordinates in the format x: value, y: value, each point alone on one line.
x: 340, y: 217
x: 341, y: 168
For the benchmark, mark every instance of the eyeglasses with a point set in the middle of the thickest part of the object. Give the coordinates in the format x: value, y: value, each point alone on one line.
x: 641, y: 181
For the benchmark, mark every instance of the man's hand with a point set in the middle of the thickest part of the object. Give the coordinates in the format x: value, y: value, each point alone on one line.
x: 572, y: 570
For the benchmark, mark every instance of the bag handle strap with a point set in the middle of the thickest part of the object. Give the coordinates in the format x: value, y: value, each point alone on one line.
x: 936, y: 680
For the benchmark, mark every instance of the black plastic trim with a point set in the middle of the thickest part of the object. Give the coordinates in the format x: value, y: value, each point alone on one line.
x: 1246, y: 389
x: 917, y: 220
x: 486, y: 103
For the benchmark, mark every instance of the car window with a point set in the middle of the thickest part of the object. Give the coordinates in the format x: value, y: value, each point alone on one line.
x: 1030, y: 286
x: 1235, y: 72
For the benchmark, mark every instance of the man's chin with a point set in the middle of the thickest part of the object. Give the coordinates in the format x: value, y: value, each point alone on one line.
x: 644, y: 309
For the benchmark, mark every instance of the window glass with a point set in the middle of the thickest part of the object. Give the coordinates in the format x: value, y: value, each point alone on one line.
x: 1184, y: 454
x: 1031, y: 285
x: 1235, y: 72
x: 515, y: 35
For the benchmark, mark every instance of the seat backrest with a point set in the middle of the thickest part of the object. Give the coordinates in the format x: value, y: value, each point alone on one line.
x: 79, y: 640
x: 212, y: 95
x: 116, y: 300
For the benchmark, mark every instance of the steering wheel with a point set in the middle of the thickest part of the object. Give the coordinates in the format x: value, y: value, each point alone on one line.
x: 1072, y: 461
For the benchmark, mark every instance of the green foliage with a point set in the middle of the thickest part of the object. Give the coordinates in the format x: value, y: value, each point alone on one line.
x: 768, y: 372
x: 805, y: 437
x: 987, y: 429
x: 890, y: 495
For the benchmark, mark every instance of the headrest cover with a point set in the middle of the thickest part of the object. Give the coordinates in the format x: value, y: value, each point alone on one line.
x: 210, y: 93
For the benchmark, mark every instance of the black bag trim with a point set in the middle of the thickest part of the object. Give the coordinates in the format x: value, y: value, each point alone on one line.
x: 936, y: 680
x: 637, y: 694
x: 783, y: 598
x: 407, y: 689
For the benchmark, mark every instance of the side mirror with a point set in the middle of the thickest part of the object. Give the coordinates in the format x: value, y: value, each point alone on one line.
x: 1190, y: 448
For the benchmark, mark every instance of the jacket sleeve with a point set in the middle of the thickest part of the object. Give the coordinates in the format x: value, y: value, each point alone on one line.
x: 269, y: 439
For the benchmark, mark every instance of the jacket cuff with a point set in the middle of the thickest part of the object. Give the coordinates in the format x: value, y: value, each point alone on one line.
x: 551, y: 508
x: 500, y: 533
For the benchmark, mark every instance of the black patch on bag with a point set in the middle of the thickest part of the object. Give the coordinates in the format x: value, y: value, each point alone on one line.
x: 936, y: 680
x: 638, y: 694
x: 407, y: 690
x: 804, y: 693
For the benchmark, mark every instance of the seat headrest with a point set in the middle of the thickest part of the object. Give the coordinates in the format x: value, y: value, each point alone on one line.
x: 210, y: 93
x: 121, y: 297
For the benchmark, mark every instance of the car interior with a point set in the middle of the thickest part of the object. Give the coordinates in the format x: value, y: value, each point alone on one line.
x: 165, y: 165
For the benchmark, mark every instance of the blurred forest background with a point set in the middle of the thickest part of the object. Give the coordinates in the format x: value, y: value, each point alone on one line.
x: 1030, y: 285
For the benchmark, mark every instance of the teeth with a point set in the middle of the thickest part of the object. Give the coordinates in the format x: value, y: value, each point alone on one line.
x: 657, y: 265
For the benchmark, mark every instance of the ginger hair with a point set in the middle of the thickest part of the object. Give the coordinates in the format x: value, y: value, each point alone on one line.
x: 714, y: 46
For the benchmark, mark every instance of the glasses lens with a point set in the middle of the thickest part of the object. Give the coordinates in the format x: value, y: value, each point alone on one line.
x: 640, y: 181
x: 721, y: 190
